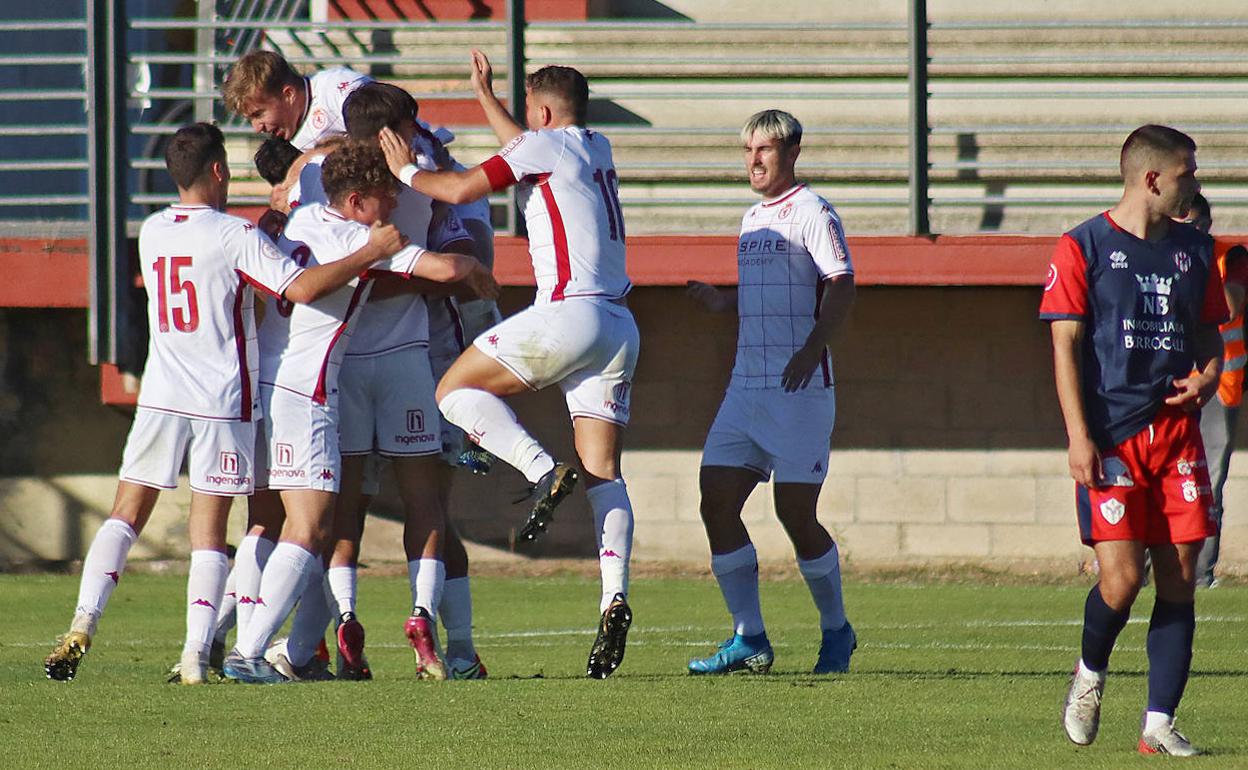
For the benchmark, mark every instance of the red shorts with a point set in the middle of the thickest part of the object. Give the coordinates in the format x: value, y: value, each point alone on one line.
x: 1155, y: 488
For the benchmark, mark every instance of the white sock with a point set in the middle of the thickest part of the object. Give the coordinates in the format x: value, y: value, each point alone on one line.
x: 613, y: 528
x: 455, y: 612
x: 312, y: 617
x: 205, y: 584
x: 226, y: 614
x: 249, y: 562
x: 737, y: 573
x: 101, y: 570
x: 343, y: 583
x: 1155, y: 720
x: 493, y: 426
x: 823, y: 577
x: 283, y: 581
x: 427, y: 578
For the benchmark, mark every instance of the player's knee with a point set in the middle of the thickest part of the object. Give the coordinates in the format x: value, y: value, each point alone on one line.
x: 1120, y: 589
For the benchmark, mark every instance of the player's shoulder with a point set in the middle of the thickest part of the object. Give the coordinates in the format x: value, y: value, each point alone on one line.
x: 1187, y: 235
x: 341, y: 80
x: 541, y: 139
x: 807, y: 202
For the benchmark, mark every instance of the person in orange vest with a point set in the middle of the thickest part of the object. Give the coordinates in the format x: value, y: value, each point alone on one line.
x: 1218, y: 418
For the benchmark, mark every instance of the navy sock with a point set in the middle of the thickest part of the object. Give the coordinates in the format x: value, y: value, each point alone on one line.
x: 1170, y: 635
x: 1101, y: 626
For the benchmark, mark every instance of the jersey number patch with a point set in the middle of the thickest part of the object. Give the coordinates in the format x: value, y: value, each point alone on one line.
x: 301, y: 255
x: 607, y: 184
x: 171, y: 284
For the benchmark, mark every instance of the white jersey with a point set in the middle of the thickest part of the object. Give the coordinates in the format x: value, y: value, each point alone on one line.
x: 478, y: 209
x: 576, y: 227
x: 326, y: 91
x: 199, y: 265
x: 788, y: 247
x: 301, y: 346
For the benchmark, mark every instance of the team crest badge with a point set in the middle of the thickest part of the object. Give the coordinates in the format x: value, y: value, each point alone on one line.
x: 784, y: 212
x: 319, y: 119
x: 1182, y: 261
x: 1113, y: 511
x: 1184, y: 467
x: 1190, y: 490
x: 1118, y: 260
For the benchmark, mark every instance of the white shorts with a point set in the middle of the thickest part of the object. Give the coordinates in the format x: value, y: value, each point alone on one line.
x: 297, y: 445
x: 386, y: 404
x: 219, y: 454
x: 588, y: 345
x: 768, y: 430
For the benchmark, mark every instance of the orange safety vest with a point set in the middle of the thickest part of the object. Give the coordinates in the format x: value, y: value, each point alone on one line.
x: 1231, y: 386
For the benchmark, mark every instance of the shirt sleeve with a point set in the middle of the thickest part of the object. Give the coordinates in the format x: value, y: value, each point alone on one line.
x: 825, y: 240
x: 1214, y: 310
x: 446, y: 229
x: 403, y: 262
x: 533, y: 153
x: 260, y: 262
x: 309, y: 188
x: 1066, y: 289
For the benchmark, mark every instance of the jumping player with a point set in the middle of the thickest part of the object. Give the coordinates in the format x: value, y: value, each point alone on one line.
x: 1134, y: 299
x: 795, y: 289
x: 579, y: 334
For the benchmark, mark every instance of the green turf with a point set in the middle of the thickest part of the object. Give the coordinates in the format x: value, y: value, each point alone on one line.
x: 946, y: 675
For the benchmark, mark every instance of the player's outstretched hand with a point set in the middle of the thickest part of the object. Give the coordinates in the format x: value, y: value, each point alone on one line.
x: 1085, y: 462
x: 801, y: 368
x: 482, y: 75
x: 386, y: 238
x: 1191, y: 393
x: 711, y: 298
x: 398, y: 153
x: 279, y: 197
x: 271, y: 223
x: 482, y: 283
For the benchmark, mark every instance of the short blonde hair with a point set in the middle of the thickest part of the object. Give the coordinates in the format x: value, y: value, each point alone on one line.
x: 773, y: 124
x: 259, y: 72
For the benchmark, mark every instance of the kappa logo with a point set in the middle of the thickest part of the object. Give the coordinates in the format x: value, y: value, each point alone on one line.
x: 493, y: 340
x: 115, y: 576
x: 1117, y: 260
x: 609, y: 553
x: 327, y: 475
x: 248, y: 227
x: 1113, y: 511
x: 1182, y: 261
x: 343, y: 85
x: 818, y: 468
x: 203, y: 603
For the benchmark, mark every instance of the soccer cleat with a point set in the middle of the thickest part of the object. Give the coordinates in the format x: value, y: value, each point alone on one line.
x: 315, y: 670
x: 250, y: 670
x: 351, y: 661
x: 419, y: 632
x: 549, y: 491
x: 1081, y: 716
x: 608, y: 650
x: 739, y: 653
x: 835, y: 650
x: 62, y: 663
x: 477, y: 460
x: 1166, y: 740
x: 461, y: 668
x: 191, y: 670
x: 216, y: 655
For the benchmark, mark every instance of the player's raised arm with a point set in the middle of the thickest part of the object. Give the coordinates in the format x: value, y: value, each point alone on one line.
x: 504, y: 125
x: 384, y: 241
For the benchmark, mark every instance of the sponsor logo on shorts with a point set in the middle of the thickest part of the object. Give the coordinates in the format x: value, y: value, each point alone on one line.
x: 228, y: 481
x: 415, y: 421
x: 417, y: 438
x: 1192, y: 491
x: 619, y: 398
x: 229, y: 463
x: 327, y: 475
x: 285, y: 455
x: 1113, y: 511
x: 287, y: 473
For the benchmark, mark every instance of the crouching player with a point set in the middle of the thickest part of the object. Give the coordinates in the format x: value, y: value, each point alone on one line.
x: 795, y: 288
x: 199, y: 397
x: 1133, y: 300
x: 301, y: 352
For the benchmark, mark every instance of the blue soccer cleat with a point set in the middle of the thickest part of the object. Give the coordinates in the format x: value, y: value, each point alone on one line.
x: 250, y: 670
x: 834, y: 653
x: 740, y: 653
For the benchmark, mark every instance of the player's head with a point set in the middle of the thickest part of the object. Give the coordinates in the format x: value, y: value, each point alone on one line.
x: 1159, y: 163
x: 555, y: 96
x: 196, y: 160
x: 772, y: 140
x: 265, y: 90
x: 374, y: 106
x: 1200, y: 215
x: 274, y: 159
x: 358, y: 183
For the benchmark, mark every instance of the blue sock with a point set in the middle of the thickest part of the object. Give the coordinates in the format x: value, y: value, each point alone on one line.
x: 1170, y: 635
x: 1101, y: 626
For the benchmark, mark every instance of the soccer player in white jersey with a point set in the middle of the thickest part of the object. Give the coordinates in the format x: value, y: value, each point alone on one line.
x: 266, y: 91
x: 579, y: 334
x: 795, y: 288
x: 199, y: 396
x: 301, y: 352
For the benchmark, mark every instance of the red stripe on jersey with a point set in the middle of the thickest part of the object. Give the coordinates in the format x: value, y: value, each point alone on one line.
x: 319, y: 395
x: 259, y: 286
x: 563, y: 262
x: 778, y: 201
x: 240, y: 342
x: 498, y: 172
x: 823, y: 358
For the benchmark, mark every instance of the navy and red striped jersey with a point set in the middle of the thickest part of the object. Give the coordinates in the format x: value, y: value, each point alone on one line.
x: 1141, y: 302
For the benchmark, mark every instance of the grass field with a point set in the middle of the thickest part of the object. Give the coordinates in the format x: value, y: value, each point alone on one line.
x: 946, y: 675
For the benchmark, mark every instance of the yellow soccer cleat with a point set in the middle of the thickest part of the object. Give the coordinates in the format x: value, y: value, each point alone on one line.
x: 62, y: 663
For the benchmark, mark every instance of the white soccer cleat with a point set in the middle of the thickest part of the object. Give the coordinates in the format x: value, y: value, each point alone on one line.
x: 1081, y: 716
x: 1166, y: 740
x: 192, y: 670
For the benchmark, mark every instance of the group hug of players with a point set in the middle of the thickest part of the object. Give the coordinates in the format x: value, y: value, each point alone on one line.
x: 379, y: 339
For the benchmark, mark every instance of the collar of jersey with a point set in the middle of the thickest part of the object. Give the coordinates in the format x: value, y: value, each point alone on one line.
x: 789, y: 193
x: 194, y: 207
x: 326, y: 211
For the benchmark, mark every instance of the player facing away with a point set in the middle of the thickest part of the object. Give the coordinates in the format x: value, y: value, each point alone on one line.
x: 301, y: 352
x: 795, y: 288
x: 1133, y: 300
x: 199, y: 399
x: 579, y: 334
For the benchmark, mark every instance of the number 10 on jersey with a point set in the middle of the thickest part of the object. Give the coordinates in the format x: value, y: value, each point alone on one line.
x: 171, y: 284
